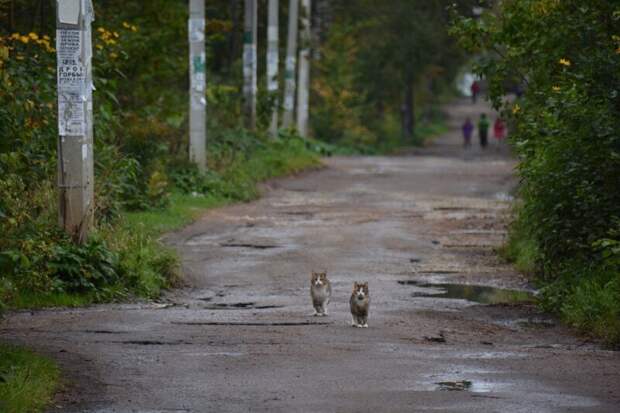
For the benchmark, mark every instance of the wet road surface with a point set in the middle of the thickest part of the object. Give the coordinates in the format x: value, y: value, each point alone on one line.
x: 451, y: 328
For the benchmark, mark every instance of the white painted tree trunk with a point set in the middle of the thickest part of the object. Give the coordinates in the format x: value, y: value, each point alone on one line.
x: 291, y: 64
x: 250, y: 85
x: 272, y: 63
x: 303, y: 89
x: 75, y: 117
x: 198, y: 85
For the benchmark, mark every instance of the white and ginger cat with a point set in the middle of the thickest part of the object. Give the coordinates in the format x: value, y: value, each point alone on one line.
x: 360, y: 302
x: 321, y: 292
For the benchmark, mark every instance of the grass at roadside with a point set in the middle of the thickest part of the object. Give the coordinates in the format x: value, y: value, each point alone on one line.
x: 27, y: 381
x: 584, y: 293
x: 125, y: 259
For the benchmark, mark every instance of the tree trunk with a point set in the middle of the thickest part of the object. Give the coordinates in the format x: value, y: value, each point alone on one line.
x: 303, y: 87
x: 249, y: 64
x: 272, y: 62
x: 408, y: 112
x: 291, y: 64
x: 197, y: 86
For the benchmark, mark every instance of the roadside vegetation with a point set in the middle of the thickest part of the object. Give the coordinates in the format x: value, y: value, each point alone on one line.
x: 144, y: 184
x: 565, y: 58
x: 27, y: 381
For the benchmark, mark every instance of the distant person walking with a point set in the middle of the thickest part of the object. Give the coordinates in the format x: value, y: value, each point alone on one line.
x: 475, y: 90
x: 483, y: 130
x: 468, y: 129
x: 499, y: 130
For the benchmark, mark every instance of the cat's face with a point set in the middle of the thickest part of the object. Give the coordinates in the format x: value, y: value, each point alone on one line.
x: 360, y: 290
x: 319, y: 278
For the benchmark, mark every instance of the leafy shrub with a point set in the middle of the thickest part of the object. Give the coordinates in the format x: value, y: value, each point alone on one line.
x: 567, y: 137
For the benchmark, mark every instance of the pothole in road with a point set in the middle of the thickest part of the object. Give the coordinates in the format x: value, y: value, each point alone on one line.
x: 247, y: 245
x: 475, y: 293
x: 240, y: 306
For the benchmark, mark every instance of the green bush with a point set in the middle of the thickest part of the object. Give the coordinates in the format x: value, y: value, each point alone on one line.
x: 566, y: 133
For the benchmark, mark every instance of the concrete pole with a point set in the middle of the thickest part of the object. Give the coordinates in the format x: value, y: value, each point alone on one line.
x: 303, y: 89
x: 272, y: 63
x: 291, y: 64
x: 75, y: 117
x: 250, y: 85
x: 197, y: 87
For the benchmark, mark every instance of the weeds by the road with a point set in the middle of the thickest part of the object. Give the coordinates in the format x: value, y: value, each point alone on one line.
x: 27, y: 380
x: 123, y: 257
x: 565, y: 132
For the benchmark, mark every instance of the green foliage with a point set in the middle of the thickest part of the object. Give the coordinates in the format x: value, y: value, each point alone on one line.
x: 567, y: 136
x: 383, y: 64
x: 27, y: 380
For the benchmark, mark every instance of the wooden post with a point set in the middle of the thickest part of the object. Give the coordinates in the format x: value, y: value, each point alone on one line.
x: 272, y: 62
x: 250, y: 85
x: 197, y: 87
x: 75, y: 117
x: 303, y: 88
x: 291, y: 64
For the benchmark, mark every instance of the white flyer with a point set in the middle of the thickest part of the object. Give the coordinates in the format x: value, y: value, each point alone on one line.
x: 72, y: 89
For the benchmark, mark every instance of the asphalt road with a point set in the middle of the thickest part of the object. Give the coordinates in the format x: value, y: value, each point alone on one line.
x: 240, y: 336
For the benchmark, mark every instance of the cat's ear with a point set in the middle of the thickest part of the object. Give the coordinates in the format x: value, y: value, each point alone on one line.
x: 324, y: 274
x: 354, y: 285
x: 312, y: 275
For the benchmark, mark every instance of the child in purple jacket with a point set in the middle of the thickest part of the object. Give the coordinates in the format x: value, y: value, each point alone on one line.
x: 468, y: 129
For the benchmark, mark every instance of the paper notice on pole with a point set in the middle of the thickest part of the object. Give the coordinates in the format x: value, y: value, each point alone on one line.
x: 72, y: 88
x: 69, y: 11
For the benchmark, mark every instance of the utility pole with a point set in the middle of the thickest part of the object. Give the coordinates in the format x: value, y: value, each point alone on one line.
x: 75, y: 117
x: 272, y: 63
x: 304, y: 69
x: 291, y: 64
x: 250, y: 63
x: 197, y: 85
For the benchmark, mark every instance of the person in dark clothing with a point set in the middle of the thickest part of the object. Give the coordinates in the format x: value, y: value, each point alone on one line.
x: 475, y: 90
x: 468, y: 129
x: 483, y: 130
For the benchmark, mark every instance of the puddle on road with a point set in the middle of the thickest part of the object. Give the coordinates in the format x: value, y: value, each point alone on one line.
x: 475, y: 293
x: 460, y: 385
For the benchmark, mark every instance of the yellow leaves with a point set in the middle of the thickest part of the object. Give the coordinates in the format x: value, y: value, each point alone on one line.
x: 556, y: 88
x: 4, y: 53
x: 29, y: 105
x: 32, y: 38
x: 516, y: 109
x: 130, y: 27
x: 544, y: 7
x: 564, y: 62
x: 113, y: 56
